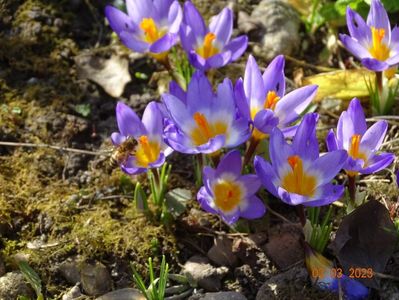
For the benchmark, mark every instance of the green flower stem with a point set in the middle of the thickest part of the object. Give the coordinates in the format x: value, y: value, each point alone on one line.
x: 253, y: 144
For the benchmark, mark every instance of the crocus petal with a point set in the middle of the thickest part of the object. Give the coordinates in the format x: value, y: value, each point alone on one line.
x: 374, y: 136
x: 131, y: 168
x: 394, y: 59
x: 326, y: 167
x: 187, y: 38
x: 241, y: 99
x: 153, y: 120
x: 162, y: 8
x: 129, y: 123
x: 293, y: 104
x: 237, y: 46
x: 331, y: 141
x: 164, y: 43
x: 176, y: 90
x: 279, y: 149
x: 175, y: 17
x: 253, y: 209
x: 378, y: 18
x: 358, y: 29
x: 230, y: 163
x: 266, y: 174
x: 222, y: 26
x: 354, y: 47
x: 352, y: 288
x: 394, y: 45
x: 230, y: 218
x: 239, y: 133
x: 213, y: 145
x: 205, y: 201
x: 305, y: 142
x: 265, y: 121
x: 291, y: 198
x: 197, y: 61
x: 253, y: 84
x: 251, y: 182
x: 326, y: 194
x: 208, y: 176
x: 273, y: 77
x: 218, y: 60
x: 353, y: 165
x: 177, y: 110
x: 117, y: 138
x: 193, y: 19
x: 118, y: 20
x: 289, y: 131
x: 130, y: 41
x: 225, y: 97
x: 139, y: 9
x: 199, y: 93
x: 179, y: 142
x: 351, y: 122
x: 378, y: 162
x: 159, y: 162
x: 374, y: 64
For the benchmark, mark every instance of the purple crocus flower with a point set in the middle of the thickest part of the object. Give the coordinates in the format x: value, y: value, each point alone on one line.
x: 140, y: 144
x: 372, y: 42
x: 204, y: 122
x: 228, y: 193
x: 210, y: 47
x: 361, y: 143
x: 150, y: 25
x: 297, y: 175
x: 262, y: 100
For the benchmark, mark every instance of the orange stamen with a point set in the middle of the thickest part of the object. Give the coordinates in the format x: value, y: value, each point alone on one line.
x: 379, y: 49
x: 150, y: 29
x: 271, y: 100
x: 208, y: 49
x: 203, y: 124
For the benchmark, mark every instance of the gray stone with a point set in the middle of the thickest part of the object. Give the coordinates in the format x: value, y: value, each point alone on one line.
x: 13, y: 285
x: 95, y: 279
x: 201, y: 273
x: 274, y: 26
x: 222, y: 254
x: 69, y: 269
x: 73, y: 293
x: 123, y: 294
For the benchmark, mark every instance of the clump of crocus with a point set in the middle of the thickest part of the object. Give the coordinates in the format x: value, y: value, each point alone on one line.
x: 202, y: 121
x: 149, y: 25
x: 297, y: 174
x: 327, y: 277
x: 362, y: 144
x: 210, y: 47
x: 265, y: 102
x: 139, y: 143
x: 377, y: 46
x: 228, y: 193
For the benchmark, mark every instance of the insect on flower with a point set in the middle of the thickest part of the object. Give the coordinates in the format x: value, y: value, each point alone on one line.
x: 140, y: 144
x: 149, y: 25
x: 228, y: 193
x: 210, y: 47
x: 361, y: 143
x: 297, y: 175
x: 373, y: 41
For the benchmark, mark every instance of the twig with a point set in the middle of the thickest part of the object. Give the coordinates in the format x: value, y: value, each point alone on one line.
x: 305, y: 64
x: 386, y: 276
x: 80, y: 151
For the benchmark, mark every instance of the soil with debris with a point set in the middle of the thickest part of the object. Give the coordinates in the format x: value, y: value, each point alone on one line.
x: 69, y: 212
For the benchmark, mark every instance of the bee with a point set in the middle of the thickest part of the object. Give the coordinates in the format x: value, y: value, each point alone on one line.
x: 122, y: 152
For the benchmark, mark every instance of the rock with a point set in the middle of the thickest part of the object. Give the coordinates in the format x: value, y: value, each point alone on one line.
x: 274, y: 25
x: 111, y: 74
x: 224, y: 296
x: 200, y: 272
x: 73, y: 293
x: 95, y: 279
x: 284, y: 248
x: 13, y: 285
x: 221, y: 252
x: 123, y: 294
x: 69, y: 269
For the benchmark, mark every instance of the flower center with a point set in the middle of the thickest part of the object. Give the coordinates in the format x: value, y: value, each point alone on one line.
x: 208, y: 49
x: 204, y: 130
x: 151, y: 31
x: 227, y: 194
x: 271, y: 100
x: 354, y: 148
x: 379, y: 49
x: 297, y: 180
x: 147, y: 151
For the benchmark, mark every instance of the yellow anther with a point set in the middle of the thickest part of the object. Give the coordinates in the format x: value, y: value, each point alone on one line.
x: 271, y: 100
x: 379, y: 49
x: 208, y: 49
